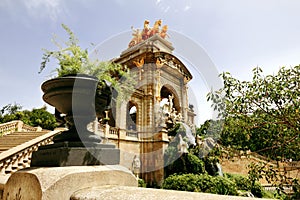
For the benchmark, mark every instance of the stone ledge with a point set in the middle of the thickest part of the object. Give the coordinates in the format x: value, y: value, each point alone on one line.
x: 61, y: 182
x: 133, y: 193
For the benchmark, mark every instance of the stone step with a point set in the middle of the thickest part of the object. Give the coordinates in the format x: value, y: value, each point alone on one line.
x: 17, y: 138
x: 21, y: 135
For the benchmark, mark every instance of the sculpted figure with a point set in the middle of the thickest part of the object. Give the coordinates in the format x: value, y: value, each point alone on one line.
x: 137, y: 37
x: 139, y: 63
x: 155, y: 28
x: 171, y: 97
x: 159, y: 63
x: 146, y: 30
x: 163, y: 32
x: 182, y: 145
x: 136, y: 165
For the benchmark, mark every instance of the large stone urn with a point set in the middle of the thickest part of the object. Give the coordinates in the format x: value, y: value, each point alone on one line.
x: 74, y: 97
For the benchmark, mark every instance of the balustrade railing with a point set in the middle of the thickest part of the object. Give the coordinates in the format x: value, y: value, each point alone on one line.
x: 16, y: 125
x: 9, y: 127
x: 26, y: 127
x: 132, y: 133
x: 19, y: 157
x: 113, y: 131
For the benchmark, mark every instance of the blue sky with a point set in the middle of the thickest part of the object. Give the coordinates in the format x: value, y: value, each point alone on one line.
x: 236, y: 35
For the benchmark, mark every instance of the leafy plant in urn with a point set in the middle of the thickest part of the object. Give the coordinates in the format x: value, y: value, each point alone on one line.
x: 82, y: 89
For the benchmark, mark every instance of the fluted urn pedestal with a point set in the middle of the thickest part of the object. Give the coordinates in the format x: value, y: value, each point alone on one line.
x: 75, y: 97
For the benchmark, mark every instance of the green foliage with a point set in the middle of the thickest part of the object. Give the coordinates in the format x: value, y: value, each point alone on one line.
x: 200, y: 183
x: 10, y: 109
x: 296, y: 189
x: 210, y: 128
x: 179, y: 163
x: 186, y: 163
x: 245, y: 184
x: 141, y: 183
x: 174, y: 130
x: 72, y: 59
x: 210, y: 163
x: 39, y: 117
x: 36, y: 117
x: 274, y: 176
x: 223, y: 186
x: 262, y: 115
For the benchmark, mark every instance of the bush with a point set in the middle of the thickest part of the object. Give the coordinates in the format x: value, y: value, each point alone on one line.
x: 200, y: 183
x: 210, y: 163
x: 187, y: 163
x: 243, y: 183
x: 141, y: 183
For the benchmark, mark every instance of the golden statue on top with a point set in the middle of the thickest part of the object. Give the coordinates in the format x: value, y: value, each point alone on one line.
x: 148, y: 32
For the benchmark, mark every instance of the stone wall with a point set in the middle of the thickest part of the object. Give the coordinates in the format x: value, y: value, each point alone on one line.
x: 239, y: 165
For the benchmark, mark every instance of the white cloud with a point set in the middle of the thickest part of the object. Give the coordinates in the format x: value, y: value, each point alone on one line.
x: 186, y: 8
x: 37, y: 9
x: 166, y: 9
x: 173, y: 6
x: 45, y: 8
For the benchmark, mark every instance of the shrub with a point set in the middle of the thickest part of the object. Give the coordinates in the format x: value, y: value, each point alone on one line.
x: 187, y: 163
x: 200, y: 183
x: 141, y: 183
x: 243, y: 183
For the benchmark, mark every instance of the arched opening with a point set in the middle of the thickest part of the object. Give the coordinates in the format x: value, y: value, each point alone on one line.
x: 169, y: 96
x: 131, y: 118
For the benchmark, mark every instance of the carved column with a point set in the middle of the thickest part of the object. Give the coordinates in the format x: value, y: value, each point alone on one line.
x: 185, y: 99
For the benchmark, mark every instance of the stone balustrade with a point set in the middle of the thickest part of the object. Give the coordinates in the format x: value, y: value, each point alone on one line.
x: 16, y: 125
x: 19, y: 157
x: 9, y: 127
x: 117, y: 133
x: 132, y: 133
x: 26, y: 127
x: 113, y: 131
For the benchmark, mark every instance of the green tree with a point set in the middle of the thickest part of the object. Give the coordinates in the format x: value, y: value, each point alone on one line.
x: 262, y: 114
x: 10, y: 109
x: 39, y: 117
x: 36, y: 117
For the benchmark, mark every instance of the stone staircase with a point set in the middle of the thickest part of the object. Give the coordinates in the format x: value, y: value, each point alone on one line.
x: 17, y: 142
x: 17, y: 138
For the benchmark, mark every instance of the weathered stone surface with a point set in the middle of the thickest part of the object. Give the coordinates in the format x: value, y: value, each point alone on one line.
x: 3, y: 180
x: 75, y: 156
x: 133, y: 193
x: 61, y: 182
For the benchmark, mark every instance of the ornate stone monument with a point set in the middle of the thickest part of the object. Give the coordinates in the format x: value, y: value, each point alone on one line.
x: 160, y: 98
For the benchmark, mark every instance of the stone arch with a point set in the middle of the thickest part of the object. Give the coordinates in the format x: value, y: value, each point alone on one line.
x: 167, y: 90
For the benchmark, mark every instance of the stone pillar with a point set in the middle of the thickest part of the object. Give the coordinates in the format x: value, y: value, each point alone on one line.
x: 120, y: 115
x: 19, y: 125
x: 153, y: 158
x: 184, y: 95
